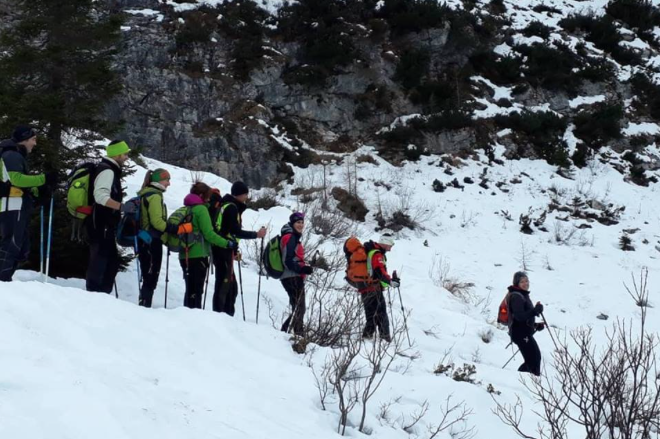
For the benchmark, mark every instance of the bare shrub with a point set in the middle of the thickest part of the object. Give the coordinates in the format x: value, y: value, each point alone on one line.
x: 454, y: 418
x: 525, y: 257
x: 486, y: 335
x: 440, y: 274
x: 569, y: 235
x: 266, y: 200
x: 609, y: 391
x: 349, y: 203
x: 404, y: 212
x: 355, y: 371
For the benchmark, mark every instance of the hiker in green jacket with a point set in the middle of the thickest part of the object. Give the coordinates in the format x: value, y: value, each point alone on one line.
x: 195, y: 260
x: 153, y: 218
x: 18, y: 190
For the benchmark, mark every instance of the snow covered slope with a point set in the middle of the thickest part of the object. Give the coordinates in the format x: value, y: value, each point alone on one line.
x: 74, y: 362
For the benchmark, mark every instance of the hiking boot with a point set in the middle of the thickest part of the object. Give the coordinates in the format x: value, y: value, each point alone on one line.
x: 387, y: 338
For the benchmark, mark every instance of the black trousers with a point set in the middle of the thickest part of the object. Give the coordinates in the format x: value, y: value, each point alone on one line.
x: 295, y: 288
x: 226, y: 288
x: 375, y: 311
x: 530, y: 352
x: 103, y: 261
x: 151, y: 260
x: 194, y: 273
x: 14, y: 240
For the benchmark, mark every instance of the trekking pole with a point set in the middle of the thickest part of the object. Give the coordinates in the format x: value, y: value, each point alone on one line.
x: 206, y: 288
x: 50, y: 240
x: 240, y: 280
x: 261, y: 251
x: 389, y: 299
x: 405, y: 320
x: 137, y: 260
x: 512, y: 357
x: 41, y: 244
x: 116, y: 292
x: 167, y: 275
x: 549, y: 331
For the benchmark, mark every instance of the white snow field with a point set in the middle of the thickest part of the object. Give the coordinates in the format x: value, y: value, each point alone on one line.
x: 79, y: 365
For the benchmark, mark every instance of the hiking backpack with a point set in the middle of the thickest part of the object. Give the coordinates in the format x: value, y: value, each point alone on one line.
x: 130, y: 229
x: 180, y: 243
x: 78, y: 191
x: 503, y: 313
x: 358, y: 265
x: 271, y: 258
x: 5, y: 186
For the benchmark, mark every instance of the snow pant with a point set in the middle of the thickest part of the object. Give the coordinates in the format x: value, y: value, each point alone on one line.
x: 226, y: 288
x: 103, y: 261
x: 375, y: 311
x: 194, y: 273
x: 14, y: 240
x: 530, y: 352
x: 295, y: 288
x: 151, y: 260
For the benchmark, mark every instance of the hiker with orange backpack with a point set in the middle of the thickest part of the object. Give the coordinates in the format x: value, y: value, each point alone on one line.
x: 195, y: 259
x: 295, y: 271
x: 367, y: 271
x: 519, y: 313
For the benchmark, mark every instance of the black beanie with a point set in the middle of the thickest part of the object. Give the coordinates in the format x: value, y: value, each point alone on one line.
x: 22, y: 133
x: 518, y: 276
x: 239, y: 188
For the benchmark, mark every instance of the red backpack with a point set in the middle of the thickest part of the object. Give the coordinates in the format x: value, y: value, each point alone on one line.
x: 503, y: 314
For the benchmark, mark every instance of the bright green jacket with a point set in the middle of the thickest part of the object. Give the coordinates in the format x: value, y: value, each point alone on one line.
x: 153, y: 212
x: 201, y: 221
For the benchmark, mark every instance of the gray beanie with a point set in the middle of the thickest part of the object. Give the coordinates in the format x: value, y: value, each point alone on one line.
x: 518, y: 277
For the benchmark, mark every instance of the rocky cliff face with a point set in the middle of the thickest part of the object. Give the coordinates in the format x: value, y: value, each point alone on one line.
x: 241, y: 92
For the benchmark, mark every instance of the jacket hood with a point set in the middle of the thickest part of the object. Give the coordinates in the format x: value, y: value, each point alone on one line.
x: 518, y: 289
x: 150, y: 190
x: 229, y: 198
x: 287, y: 228
x: 192, y: 200
x: 11, y: 145
x: 371, y: 245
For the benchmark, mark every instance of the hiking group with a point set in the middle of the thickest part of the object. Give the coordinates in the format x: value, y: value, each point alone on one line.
x: 205, y: 233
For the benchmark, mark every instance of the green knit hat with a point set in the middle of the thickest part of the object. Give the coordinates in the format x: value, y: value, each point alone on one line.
x: 117, y: 147
x: 159, y: 175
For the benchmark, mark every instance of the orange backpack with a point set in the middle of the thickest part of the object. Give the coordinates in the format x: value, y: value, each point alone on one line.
x: 503, y: 315
x: 357, y: 270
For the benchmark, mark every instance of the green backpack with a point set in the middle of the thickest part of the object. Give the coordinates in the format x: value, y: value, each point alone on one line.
x: 178, y: 243
x: 78, y: 191
x: 272, y: 258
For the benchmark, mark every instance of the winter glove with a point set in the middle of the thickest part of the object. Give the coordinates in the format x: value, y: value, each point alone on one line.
x: 538, y: 309
x: 184, y: 229
x: 51, y: 178
x: 128, y: 208
x: 395, y: 283
x: 238, y: 256
x: 232, y: 245
x: 540, y: 327
x: 306, y: 269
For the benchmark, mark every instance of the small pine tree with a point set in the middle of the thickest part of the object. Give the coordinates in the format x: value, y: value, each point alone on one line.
x: 56, y: 74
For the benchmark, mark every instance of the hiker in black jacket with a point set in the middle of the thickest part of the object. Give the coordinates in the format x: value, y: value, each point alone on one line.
x: 226, y: 216
x: 16, y: 205
x: 523, y: 313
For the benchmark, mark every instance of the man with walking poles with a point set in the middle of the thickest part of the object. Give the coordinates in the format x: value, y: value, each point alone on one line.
x: 227, y: 219
x: 18, y: 191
